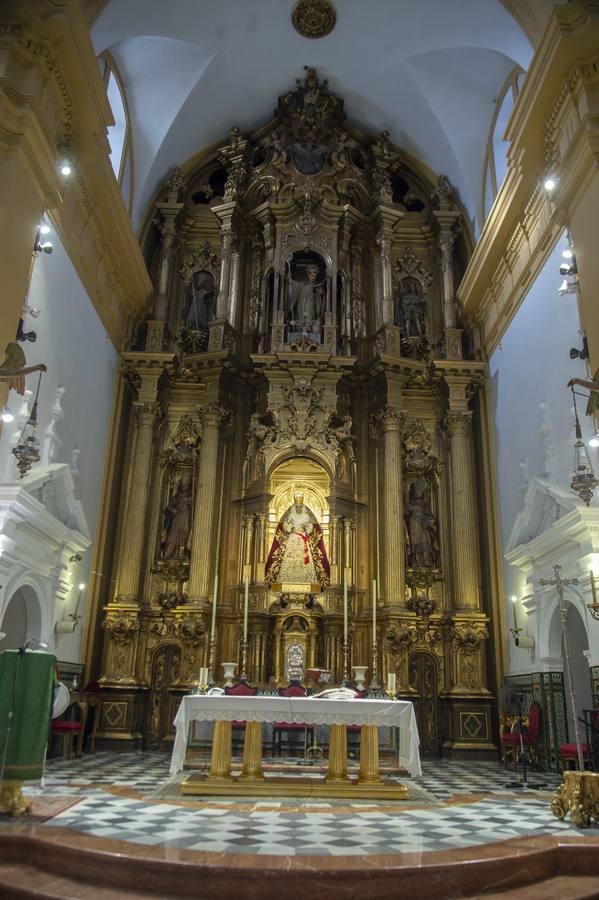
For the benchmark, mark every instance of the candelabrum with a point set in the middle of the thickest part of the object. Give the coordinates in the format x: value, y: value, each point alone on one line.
x: 374, y: 682
x: 243, y: 676
x: 345, y: 662
x: 211, y: 654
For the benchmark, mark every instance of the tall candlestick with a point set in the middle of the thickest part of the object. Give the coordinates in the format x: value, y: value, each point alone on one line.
x: 345, y: 605
x: 213, y: 623
x: 594, y: 590
x: 246, y: 604
x: 374, y: 611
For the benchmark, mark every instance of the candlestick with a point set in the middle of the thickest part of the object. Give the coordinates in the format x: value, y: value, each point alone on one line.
x: 374, y: 611
x: 246, y: 603
x: 391, y: 683
x: 345, y: 606
x: 213, y: 622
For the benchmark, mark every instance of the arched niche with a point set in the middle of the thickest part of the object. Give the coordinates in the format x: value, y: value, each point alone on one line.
x: 579, y: 645
x: 299, y: 473
x: 22, y: 618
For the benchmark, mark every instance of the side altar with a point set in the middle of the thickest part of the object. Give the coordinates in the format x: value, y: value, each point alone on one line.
x: 336, y: 714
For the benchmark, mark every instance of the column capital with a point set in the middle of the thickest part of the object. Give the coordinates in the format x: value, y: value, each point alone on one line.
x: 458, y: 422
x: 148, y: 414
x: 213, y: 415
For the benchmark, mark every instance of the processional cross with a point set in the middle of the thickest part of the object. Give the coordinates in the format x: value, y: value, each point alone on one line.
x: 560, y: 583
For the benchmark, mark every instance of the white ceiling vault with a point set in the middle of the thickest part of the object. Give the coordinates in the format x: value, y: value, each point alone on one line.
x: 429, y: 71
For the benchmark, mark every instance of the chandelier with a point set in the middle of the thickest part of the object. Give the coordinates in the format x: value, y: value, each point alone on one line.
x: 583, y: 477
x: 27, y: 451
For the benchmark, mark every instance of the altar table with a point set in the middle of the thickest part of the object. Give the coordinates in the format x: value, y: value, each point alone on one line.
x: 337, y: 714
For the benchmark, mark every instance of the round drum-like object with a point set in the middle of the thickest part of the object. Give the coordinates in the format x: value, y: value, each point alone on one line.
x: 61, y: 700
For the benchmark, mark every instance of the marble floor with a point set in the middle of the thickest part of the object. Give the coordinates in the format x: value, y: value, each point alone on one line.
x: 131, y: 797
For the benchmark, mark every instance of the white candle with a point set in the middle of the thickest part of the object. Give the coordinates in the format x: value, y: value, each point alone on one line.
x: 203, y: 676
x: 345, y: 606
x: 391, y: 682
x: 514, y: 601
x: 374, y: 612
x: 213, y: 624
x: 246, y: 604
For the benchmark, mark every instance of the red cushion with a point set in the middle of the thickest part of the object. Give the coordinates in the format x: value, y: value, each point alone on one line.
x: 572, y: 749
x: 514, y: 738
x: 66, y: 726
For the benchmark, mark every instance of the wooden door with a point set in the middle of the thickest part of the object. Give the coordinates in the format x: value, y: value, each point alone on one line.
x: 423, y: 671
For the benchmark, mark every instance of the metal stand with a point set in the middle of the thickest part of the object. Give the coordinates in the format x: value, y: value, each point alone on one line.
x: 345, y: 662
x: 244, y: 652
x: 211, y: 652
x: 313, y: 751
x: 374, y: 683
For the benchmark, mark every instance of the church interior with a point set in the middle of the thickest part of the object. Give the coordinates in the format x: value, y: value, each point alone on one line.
x: 299, y: 531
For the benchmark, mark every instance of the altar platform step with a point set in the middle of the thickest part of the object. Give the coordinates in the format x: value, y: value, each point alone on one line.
x: 292, y: 785
x: 68, y: 866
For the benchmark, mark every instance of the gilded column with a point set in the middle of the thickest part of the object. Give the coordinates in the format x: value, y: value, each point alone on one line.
x: 261, y: 548
x: 205, y: 504
x: 466, y: 563
x: 133, y: 540
x: 393, y: 568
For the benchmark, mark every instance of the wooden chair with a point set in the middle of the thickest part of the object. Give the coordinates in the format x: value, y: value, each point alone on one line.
x: 240, y: 689
x: 294, y: 689
x: 568, y: 753
x: 70, y: 729
x: 530, y: 738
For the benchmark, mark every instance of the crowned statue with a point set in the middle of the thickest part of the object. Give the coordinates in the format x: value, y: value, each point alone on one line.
x: 298, y: 555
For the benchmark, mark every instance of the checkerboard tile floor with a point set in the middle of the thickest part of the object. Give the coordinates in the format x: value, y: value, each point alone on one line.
x: 337, y: 828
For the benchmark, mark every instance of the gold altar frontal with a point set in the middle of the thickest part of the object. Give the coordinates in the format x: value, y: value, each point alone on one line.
x: 252, y: 782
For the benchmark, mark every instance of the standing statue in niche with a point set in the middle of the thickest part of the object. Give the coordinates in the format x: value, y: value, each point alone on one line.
x: 298, y: 554
x: 410, y: 309
x: 176, y: 519
x: 305, y: 299
x: 199, y: 302
x: 421, y: 526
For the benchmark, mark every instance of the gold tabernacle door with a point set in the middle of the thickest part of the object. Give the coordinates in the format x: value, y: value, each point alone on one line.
x: 282, y: 587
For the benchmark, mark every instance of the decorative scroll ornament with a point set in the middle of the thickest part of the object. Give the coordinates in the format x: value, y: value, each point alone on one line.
x: 313, y: 18
x: 409, y: 265
x: 399, y: 638
x: 205, y: 257
x: 174, y: 570
x: 184, y: 441
x: 468, y: 636
x: 171, y: 599
x: 417, y: 444
x: 122, y: 628
x: 173, y: 186
x: 191, y: 629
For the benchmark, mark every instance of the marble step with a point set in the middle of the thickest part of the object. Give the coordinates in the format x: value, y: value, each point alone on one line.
x: 562, y: 887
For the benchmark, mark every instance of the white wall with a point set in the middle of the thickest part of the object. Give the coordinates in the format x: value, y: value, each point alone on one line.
x: 73, y: 344
x: 532, y: 365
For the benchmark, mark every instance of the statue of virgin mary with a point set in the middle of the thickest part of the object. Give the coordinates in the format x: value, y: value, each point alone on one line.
x: 298, y: 555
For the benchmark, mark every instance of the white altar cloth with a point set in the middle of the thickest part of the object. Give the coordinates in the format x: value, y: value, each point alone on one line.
x: 313, y: 711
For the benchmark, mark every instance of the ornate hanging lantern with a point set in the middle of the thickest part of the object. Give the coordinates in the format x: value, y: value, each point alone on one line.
x: 583, y: 477
x: 27, y: 451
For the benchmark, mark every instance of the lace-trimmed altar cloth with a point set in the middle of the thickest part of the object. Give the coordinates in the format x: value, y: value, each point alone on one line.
x: 393, y: 713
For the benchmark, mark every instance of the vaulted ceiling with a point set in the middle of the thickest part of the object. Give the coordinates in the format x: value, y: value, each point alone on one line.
x: 428, y: 71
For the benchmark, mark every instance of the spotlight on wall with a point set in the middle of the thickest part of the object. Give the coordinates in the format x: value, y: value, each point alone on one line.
x: 575, y: 353
x: 550, y: 183
x: 7, y: 415
x: 525, y: 642
x: 65, y: 168
x: 44, y: 227
x: 567, y: 253
x: 32, y: 311
x: 568, y: 268
x: 594, y: 441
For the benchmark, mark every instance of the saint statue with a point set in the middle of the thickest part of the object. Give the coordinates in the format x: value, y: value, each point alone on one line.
x: 305, y: 298
x: 176, y: 527
x: 423, y: 541
x: 199, y: 301
x: 298, y: 554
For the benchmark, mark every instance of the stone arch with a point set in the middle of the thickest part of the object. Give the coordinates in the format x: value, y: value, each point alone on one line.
x: 22, y: 617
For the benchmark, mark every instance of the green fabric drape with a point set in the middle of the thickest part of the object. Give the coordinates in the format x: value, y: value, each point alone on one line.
x: 35, y: 676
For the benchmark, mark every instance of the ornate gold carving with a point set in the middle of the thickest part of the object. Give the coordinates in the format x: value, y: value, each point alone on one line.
x: 468, y: 636
x: 12, y: 800
x: 203, y: 258
x: 171, y: 600
x: 174, y: 570
x: 579, y: 796
x: 173, y: 186
x: 148, y: 414
x: 191, y: 629
x: 399, y: 638
x: 131, y: 375
x: 444, y: 193
x: 184, y: 440
x: 213, y: 415
x: 313, y: 18
x: 122, y: 628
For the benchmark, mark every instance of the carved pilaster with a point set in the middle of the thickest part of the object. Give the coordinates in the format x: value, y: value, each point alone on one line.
x: 148, y: 417
x: 122, y: 626
x: 212, y: 417
x: 466, y: 562
x: 393, y: 564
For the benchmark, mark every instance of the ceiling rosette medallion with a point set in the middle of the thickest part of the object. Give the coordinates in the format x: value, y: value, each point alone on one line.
x: 313, y: 18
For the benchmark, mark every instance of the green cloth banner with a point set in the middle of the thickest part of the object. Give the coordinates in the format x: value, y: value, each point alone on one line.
x: 26, y: 686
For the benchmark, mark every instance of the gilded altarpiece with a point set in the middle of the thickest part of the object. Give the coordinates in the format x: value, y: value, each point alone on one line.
x: 302, y: 419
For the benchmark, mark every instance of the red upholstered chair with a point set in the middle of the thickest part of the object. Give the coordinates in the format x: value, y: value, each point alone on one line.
x: 530, y: 738
x: 294, y: 689
x: 70, y: 729
x: 241, y: 689
x: 568, y: 753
